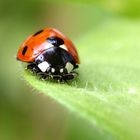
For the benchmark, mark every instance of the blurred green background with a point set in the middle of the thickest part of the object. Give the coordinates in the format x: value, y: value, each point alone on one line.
x: 25, y: 115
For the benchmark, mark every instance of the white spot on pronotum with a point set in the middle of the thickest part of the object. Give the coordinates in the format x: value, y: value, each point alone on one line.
x: 61, y: 70
x: 52, y: 70
x: 43, y: 66
x: 63, y: 47
x: 132, y: 90
x: 69, y: 67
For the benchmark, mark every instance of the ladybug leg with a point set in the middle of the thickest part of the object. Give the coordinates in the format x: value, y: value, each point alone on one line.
x: 43, y: 75
x: 33, y: 67
x: 30, y: 66
x: 58, y: 78
x: 70, y: 76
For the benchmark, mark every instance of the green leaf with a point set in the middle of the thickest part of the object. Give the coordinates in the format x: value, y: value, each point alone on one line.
x: 106, y: 93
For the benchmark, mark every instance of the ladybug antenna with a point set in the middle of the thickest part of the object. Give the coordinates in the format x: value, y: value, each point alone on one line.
x: 56, y: 41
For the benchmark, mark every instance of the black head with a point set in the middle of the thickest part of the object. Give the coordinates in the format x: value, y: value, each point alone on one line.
x: 56, y: 41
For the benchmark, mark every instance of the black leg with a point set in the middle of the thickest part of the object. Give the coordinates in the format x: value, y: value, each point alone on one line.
x: 33, y: 67
x: 43, y: 76
x: 58, y: 78
x: 70, y: 76
x: 48, y: 75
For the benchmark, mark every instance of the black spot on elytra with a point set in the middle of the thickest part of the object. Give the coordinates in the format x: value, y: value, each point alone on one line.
x: 24, y: 50
x: 56, y: 41
x: 38, y: 32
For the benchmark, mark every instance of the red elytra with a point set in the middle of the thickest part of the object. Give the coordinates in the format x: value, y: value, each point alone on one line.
x: 36, y: 44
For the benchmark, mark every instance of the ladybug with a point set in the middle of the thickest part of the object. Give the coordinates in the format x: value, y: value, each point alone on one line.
x: 50, y: 54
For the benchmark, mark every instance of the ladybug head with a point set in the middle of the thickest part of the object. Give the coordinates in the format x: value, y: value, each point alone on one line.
x: 56, y: 41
